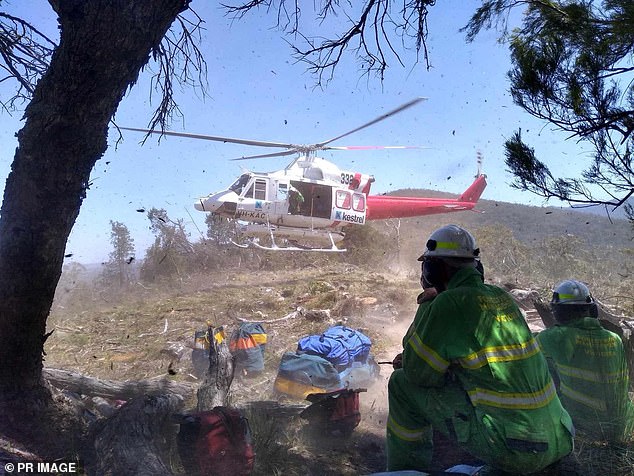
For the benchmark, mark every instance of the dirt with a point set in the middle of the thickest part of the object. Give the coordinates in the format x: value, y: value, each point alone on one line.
x: 150, y: 334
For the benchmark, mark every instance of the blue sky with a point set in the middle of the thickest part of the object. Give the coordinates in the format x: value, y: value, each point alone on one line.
x: 257, y: 91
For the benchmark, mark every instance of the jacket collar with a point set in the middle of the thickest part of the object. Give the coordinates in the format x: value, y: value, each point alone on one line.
x: 584, y: 323
x: 465, y: 277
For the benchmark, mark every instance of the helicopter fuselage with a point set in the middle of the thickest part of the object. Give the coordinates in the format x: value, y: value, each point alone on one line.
x: 312, y: 194
x: 312, y: 198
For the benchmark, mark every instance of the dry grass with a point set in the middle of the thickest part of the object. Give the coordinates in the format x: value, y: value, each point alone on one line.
x: 139, y: 334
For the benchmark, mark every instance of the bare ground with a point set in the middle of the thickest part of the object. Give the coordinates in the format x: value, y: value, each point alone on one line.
x: 148, y: 333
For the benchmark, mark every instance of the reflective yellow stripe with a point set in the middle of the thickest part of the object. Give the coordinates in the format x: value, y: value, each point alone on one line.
x: 520, y: 400
x: 428, y: 354
x: 586, y: 400
x: 569, y: 296
x: 259, y: 338
x: 590, y: 375
x: 447, y: 245
x: 502, y: 353
x: 403, y: 433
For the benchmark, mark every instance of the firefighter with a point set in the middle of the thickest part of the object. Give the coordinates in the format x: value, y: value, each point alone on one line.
x: 473, y: 371
x: 295, y: 201
x: 588, y: 365
x: 426, y: 297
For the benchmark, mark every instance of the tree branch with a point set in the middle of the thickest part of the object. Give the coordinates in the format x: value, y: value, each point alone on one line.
x: 366, y: 34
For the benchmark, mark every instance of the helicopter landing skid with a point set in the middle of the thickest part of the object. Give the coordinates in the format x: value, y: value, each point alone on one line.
x: 295, y: 246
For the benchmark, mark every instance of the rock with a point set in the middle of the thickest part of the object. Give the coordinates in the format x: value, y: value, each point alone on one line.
x: 317, y: 314
x: 368, y: 301
x: 524, y: 297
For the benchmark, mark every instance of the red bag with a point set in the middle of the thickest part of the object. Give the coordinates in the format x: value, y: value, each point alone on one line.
x: 346, y: 415
x: 216, y: 443
x: 335, y: 412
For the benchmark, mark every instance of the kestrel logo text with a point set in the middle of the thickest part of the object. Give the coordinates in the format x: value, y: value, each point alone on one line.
x: 350, y: 218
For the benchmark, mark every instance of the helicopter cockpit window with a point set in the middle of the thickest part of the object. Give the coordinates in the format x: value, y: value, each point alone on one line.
x: 358, y: 202
x: 343, y: 199
x: 260, y: 189
x: 238, y: 185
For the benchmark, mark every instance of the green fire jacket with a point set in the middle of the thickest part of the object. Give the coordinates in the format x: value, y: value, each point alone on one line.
x: 475, y: 333
x: 590, y: 366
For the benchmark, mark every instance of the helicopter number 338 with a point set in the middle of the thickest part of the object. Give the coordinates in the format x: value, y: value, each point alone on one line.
x: 307, y: 205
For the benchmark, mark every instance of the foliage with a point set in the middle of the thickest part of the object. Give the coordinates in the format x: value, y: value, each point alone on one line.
x: 503, y: 255
x: 369, y: 32
x: 572, y: 67
x: 118, y: 269
x: 171, y: 251
x: 25, y: 54
x: 367, y: 245
x: 220, y: 230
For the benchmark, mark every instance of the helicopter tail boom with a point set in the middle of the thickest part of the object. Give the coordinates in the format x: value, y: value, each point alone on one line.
x: 380, y: 207
x: 472, y: 194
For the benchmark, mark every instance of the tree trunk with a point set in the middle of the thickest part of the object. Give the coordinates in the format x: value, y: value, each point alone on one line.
x: 103, y: 46
x: 214, y: 390
x: 135, y: 440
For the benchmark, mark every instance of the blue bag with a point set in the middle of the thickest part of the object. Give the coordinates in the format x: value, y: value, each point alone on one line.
x: 329, y: 348
x: 356, y: 343
x: 300, y: 375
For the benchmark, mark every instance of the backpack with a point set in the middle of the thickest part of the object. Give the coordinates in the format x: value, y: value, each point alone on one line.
x: 216, y: 443
x: 302, y: 374
x: 247, y: 345
x: 335, y: 413
x: 340, y: 345
x: 356, y: 343
x: 331, y: 349
x: 200, y: 352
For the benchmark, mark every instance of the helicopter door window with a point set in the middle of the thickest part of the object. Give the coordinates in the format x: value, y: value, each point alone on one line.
x: 343, y: 199
x: 282, y: 191
x: 358, y: 202
x: 260, y: 189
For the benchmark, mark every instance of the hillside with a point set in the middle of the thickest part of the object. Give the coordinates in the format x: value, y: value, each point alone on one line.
x: 531, y: 224
x: 602, y: 210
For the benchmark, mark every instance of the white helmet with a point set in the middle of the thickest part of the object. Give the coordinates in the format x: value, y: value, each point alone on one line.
x: 451, y: 241
x: 572, y: 300
x: 571, y: 292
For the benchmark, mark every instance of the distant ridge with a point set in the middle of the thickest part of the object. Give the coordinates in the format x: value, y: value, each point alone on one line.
x: 531, y: 224
x: 604, y: 210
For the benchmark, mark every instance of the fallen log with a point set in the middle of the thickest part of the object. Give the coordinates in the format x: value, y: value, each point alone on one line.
x: 84, y: 385
x: 133, y: 440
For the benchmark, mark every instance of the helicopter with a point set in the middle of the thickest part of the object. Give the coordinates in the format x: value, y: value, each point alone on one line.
x: 311, y: 202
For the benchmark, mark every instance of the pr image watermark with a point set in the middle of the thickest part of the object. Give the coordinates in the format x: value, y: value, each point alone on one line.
x: 42, y: 467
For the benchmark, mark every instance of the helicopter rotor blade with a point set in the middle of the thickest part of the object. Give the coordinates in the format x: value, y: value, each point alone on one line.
x: 373, y: 147
x: 274, y: 154
x: 214, y: 138
x: 374, y: 121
